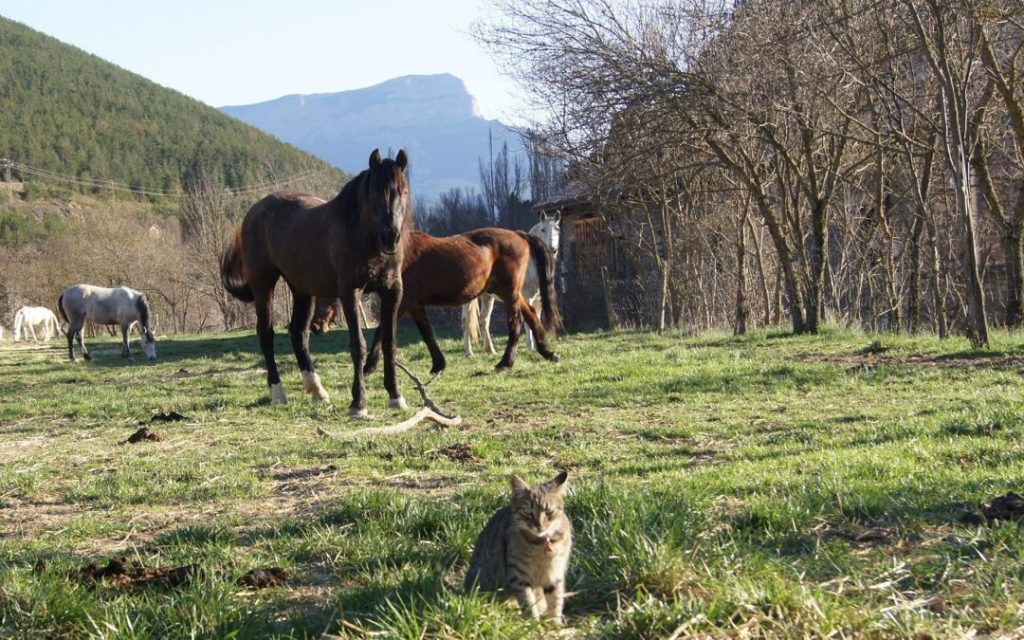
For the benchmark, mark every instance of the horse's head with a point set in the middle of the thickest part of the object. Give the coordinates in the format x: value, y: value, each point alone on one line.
x: 548, y: 229
x: 389, y: 198
x: 146, y: 337
x: 148, y: 341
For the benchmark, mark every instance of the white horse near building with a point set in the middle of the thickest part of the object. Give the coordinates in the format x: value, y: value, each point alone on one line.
x: 476, y: 321
x: 27, y: 319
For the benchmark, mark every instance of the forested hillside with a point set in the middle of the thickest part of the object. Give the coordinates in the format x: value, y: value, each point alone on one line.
x: 74, y: 114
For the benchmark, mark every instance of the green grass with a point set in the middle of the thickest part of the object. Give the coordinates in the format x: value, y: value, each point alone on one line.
x: 764, y: 486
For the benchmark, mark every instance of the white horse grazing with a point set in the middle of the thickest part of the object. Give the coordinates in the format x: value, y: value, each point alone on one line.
x: 476, y: 322
x: 28, y: 318
x: 121, y: 306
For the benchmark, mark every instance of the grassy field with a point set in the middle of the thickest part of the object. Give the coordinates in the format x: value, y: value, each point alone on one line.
x: 764, y: 486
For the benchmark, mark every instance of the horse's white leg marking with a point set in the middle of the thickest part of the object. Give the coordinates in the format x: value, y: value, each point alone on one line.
x: 467, y: 332
x: 359, y: 414
x: 398, y: 403
x: 485, y: 320
x: 277, y: 394
x: 313, y: 387
x: 535, y: 303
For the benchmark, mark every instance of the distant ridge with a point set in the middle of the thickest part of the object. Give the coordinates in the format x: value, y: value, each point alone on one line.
x: 432, y: 116
x: 71, y: 113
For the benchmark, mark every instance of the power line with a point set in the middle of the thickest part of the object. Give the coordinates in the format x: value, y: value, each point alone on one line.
x: 111, y: 185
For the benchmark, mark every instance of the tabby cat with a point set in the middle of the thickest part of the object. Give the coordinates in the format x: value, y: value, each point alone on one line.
x: 524, y: 549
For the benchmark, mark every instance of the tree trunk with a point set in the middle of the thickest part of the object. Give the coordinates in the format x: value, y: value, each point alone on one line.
x: 977, y: 319
x: 914, y: 285
x: 740, y: 328
x: 1015, y: 263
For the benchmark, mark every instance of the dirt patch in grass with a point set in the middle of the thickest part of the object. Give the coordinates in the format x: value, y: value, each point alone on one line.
x: 263, y: 578
x: 429, y: 484
x: 856, y: 534
x: 458, y: 452
x: 28, y: 518
x: 870, y: 360
x: 307, y: 481
x: 24, y: 519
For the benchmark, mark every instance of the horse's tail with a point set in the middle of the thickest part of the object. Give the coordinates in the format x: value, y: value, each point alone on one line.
x: 231, y: 268
x: 56, y: 321
x: 544, y: 261
x: 471, y: 320
x: 19, y: 317
x: 60, y: 308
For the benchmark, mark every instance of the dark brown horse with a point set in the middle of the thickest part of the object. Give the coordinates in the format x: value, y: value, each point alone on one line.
x: 449, y: 272
x: 332, y: 249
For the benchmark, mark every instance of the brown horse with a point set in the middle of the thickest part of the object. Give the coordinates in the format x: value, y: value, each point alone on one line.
x: 449, y: 272
x: 332, y: 249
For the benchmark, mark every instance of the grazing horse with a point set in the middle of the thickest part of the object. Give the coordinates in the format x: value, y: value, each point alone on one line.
x: 119, y: 306
x: 31, y: 317
x: 476, y: 321
x: 334, y: 249
x: 449, y: 272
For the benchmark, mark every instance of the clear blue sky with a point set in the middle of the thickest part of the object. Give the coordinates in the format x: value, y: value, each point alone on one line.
x: 226, y: 53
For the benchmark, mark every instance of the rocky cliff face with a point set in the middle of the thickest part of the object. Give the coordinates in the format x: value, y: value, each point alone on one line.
x: 433, y: 117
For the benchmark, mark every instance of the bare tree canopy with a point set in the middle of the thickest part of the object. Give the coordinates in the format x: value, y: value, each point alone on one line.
x: 864, y: 158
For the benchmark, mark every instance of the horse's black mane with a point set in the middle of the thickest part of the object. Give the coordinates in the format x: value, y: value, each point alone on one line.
x: 142, y: 305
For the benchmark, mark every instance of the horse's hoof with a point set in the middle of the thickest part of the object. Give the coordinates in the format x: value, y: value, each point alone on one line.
x: 277, y: 395
x: 358, y: 414
x: 398, y: 403
x: 551, y: 356
x: 502, y: 367
x: 369, y: 368
x: 87, y: 356
x: 313, y: 386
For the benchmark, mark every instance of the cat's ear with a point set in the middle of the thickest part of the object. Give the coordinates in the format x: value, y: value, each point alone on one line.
x: 518, y: 486
x: 557, y: 484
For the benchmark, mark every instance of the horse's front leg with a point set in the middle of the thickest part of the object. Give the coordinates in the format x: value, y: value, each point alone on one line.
x: 485, y: 327
x: 467, y: 328
x: 357, y: 349
x: 126, y: 351
x: 298, y: 331
x: 389, y: 301
x: 536, y: 306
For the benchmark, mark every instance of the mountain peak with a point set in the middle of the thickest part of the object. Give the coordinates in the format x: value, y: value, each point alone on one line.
x: 407, y: 98
x: 434, y: 117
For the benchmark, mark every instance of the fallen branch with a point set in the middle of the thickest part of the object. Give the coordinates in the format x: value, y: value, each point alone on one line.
x: 422, y: 388
x: 429, y: 412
